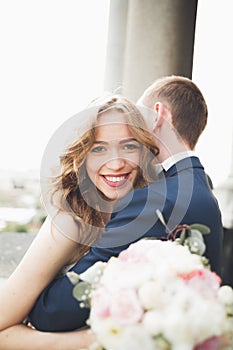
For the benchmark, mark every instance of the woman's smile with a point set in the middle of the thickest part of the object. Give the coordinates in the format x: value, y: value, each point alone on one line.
x: 115, y: 180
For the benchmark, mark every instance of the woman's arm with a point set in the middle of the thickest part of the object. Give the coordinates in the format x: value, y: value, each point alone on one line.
x: 21, y: 337
x: 50, y: 251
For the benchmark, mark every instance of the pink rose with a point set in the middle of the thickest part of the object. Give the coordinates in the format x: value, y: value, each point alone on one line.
x: 126, y: 308
x: 213, y: 343
x: 203, y: 281
x: 100, y: 303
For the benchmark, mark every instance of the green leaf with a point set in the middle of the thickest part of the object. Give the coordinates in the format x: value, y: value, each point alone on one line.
x: 82, y: 291
x: 205, y: 261
x: 202, y: 228
x: 196, y: 234
x: 229, y: 309
x: 161, y: 342
x: 195, y: 245
x: 73, y: 277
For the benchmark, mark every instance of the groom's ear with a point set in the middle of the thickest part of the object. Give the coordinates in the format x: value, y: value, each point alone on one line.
x: 162, y: 113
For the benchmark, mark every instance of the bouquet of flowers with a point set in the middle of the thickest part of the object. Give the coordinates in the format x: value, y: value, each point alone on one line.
x: 158, y: 295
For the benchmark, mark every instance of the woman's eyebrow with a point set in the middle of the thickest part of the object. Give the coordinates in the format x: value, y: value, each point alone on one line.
x: 101, y: 142
x: 128, y: 140
x: 120, y: 142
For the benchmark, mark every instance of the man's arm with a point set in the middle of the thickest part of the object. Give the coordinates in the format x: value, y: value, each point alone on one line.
x: 56, y: 309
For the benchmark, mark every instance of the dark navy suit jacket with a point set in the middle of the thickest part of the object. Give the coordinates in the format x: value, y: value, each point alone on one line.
x: 183, y: 195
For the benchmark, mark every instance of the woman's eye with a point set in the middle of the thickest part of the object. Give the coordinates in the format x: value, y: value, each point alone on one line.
x: 131, y: 147
x: 98, y: 149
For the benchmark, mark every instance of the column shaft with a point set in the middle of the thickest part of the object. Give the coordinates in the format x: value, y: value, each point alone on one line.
x: 159, y: 40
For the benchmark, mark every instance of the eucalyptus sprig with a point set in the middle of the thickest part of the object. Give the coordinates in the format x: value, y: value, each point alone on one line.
x: 82, y: 289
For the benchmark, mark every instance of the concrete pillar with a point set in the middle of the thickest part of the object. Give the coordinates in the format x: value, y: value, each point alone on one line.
x: 159, y: 41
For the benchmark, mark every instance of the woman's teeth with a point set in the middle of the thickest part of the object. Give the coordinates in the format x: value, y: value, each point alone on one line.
x: 115, y: 178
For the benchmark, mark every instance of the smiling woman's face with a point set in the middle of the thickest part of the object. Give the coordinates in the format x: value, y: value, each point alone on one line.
x: 113, y: 161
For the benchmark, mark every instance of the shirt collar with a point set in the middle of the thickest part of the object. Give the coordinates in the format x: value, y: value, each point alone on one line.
x: 169, y: 162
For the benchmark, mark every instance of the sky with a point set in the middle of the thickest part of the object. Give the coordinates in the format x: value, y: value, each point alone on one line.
x: 52, y: 65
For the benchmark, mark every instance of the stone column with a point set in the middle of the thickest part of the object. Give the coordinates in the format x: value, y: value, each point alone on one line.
x: 159, y: 41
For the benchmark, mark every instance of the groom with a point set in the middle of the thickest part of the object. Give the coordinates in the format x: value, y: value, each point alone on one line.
x: 177, y: 114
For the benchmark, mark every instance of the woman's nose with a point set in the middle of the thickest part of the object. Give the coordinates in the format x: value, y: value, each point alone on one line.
x: 115, y: 163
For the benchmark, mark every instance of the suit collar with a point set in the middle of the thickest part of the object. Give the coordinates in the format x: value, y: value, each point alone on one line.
x: 186, y: 163
x: 175, y: 158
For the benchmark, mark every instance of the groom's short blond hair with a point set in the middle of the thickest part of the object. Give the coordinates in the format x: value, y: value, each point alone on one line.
x: 184, y: 100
